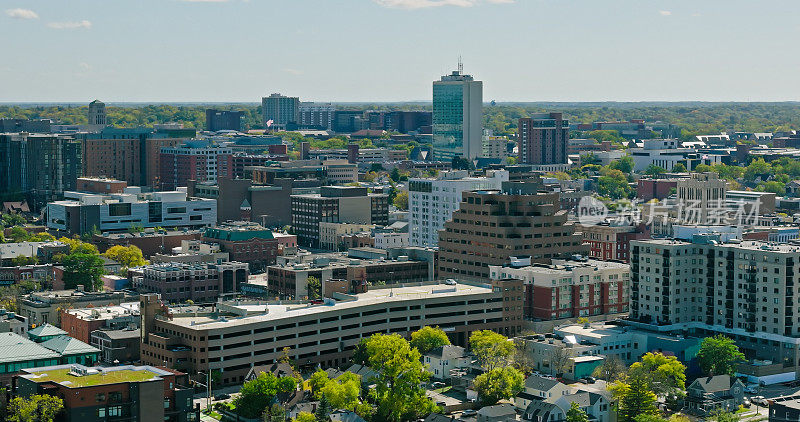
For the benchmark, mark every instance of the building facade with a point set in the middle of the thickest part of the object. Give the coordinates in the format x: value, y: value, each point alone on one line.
x: 223, y: 120
x: 492, y: 226
x: 250, y: 243
x: 280, y: 111
x: 457, y: 116
x: 542, y: 139
x: 193, y: 160
x: 336, y: 204
x: 431, y: 202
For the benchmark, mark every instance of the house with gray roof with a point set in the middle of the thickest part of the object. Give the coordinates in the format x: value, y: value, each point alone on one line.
x: 596, y: 406
x: 502, y: 412
x: 442, y: 359
x: 538, y: 387
x: 708, y: 394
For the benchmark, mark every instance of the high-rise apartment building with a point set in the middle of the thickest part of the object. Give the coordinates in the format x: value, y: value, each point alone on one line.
x: 280, y: 111
x: 316, y: 115
x: 338, y: 204
x: 40, y: 166
x: 490, y: 227
x: 746, y: 290
x: 431, y: 202
x: 543, y: 139
x: 457, y: 116
x: 194, y: 160
x: 223, y: 120
x: 702, y: 199
x: 97, y: 113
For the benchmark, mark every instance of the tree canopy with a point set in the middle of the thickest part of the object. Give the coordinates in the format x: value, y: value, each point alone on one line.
x: 492, y: 349
x: 499, y: 383
x: 128, y: 256
x: 428, y: 338
x: 257, y: 394
x: 36, y: 408
x: 718, y: 355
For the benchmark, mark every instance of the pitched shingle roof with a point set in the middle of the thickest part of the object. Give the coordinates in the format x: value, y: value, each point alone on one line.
x: 715, y: 383
x: 537, y: 382
x: 498, y: 410
x: 447, y: 352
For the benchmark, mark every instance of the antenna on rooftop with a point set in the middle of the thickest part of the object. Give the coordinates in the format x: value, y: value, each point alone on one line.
x: 460, y: 66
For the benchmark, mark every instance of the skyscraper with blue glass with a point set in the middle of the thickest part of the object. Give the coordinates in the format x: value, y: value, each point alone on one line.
x: 457, y: 116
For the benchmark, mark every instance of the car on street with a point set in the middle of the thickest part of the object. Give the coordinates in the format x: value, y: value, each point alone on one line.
x: 222, y: 396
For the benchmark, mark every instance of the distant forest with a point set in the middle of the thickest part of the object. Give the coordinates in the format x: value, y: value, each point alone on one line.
x: 693, y: 117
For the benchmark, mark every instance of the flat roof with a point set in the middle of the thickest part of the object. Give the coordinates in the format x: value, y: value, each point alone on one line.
x: 372, y: 297
x: 102, y: 376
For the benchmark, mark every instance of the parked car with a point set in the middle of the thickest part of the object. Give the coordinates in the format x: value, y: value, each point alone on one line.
x: 223, y: 396
x: 583, y: 381
x: 759, y: 400
x: 746, y: 403
x: 591, y: 380
x: 469, y: 412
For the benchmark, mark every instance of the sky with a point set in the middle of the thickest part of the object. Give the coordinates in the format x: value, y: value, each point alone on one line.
x: 392, y: 50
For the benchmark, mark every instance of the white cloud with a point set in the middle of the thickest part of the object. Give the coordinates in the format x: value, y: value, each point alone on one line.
x: 422, y: 4
x: 665, y: 13
x: 84, y: 66
x: 84, y: 24
x: 22, y: 14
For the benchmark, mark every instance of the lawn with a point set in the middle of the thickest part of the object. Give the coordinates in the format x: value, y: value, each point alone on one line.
x: 110, y: 377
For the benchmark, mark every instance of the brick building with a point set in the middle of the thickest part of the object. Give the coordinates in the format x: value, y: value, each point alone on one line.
x: 647, y: 189
x: 492, y: 226
x: 150, y: 242
x: 250, y: 243
x: 131, y: 393
x: 609, y: 242
x: 570, y: 289
x: 542, y: 139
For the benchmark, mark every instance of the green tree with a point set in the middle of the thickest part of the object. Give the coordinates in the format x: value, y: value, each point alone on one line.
x: 499, y: 383
x: 344, y: 391
x: 317, y: 381
x: 314, y: 288
x: 395, y: 175
x: 77, y: 246
x: 24, y: 260
x: 679, y: 168
x: 590, y: 158
x: 576, y: 414
x: 718, y: 355
x: 41, y: 237
x: 129, y: 256
x: 275, y: 413
x: 12, y: 219
x: 654, y: 170
x: 323, y: 409
x: 83, y: 269
x: 624, y: 164
x: 612, y: 369
x: 428, y: 338
x: 663, y: 375
x: 37, y: 408
x: 774, y: 186
x: 492, y: 349
x: 398, y: 393
x: 305, y: 417
x: 613, y: 184
x: 634, y: 399
x: 255, y: 395
x: 723, y: 416
x: 401, y: 201
x: 18, y: 234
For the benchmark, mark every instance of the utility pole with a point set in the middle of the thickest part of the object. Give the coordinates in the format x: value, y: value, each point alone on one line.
x: 207, y: 385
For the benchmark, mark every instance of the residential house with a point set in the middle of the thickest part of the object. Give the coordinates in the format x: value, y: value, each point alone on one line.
x: 502, y: 412
x: 444, y: 358
x: 708, y: 394
x: 540, y: 388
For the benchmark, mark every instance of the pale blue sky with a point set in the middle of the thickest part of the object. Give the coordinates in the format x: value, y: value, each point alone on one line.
x: 391, y: 50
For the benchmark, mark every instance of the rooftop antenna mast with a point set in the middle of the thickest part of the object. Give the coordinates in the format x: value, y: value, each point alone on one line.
x: 460, y: 66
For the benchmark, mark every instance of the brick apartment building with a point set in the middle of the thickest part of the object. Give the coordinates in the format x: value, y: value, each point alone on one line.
x: 150, y: 242
x: 542, y: 139
x: 570, y: 289
x: 492, y: 226
x: 130, y: 393
x: 608, y: 242
x: 133, y: 160
x: 250, y: 243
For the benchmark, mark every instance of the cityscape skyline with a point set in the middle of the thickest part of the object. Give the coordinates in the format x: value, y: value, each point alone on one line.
x: 186, y: 51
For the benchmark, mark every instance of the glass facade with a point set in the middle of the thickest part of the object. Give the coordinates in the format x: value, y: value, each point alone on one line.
x: 448, y: 120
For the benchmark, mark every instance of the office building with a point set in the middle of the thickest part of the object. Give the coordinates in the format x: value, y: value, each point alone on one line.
x: 25, y: 125
x: 611, y: 241
x: 45, y: 307
x: 79, y: 323
x: 117, y: 346
x: 569, y: 288
x: 193, y: 160
x: 179, y: 282
x: 86, y: 212
x: 238, y: 165
x: 280, y: 112
x: 130, y: 393
x: 321, y: 334
x: 457, y: 116
x: 495, y: 147
x: 542, y: 139
x: 250, y: 243
x: 42, y: 167
x: 702, y: 199
x: 97, y: 113
x: 316, y: 115
x: 431, y: 202
x: 338, y: 204
x: 217, y: 120
x: 492, y: 226
x: 330, y: 233
x: 743, y: 289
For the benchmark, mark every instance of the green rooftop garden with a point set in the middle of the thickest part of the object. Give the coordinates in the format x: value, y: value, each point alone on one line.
x: 102, y: 378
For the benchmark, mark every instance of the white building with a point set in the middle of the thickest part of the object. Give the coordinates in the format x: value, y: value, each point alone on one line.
x: 444, y: 358
x: 494, y: 146
x: 85, y: 212
x: 386, y: 240
x: 340, y: 171
x: 665, y: 153
x: 431, y: 202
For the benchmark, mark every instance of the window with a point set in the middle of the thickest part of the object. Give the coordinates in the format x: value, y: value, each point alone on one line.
x: 115, y: 411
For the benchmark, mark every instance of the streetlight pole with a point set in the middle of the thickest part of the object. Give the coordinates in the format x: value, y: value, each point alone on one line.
x: 207, y: 385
